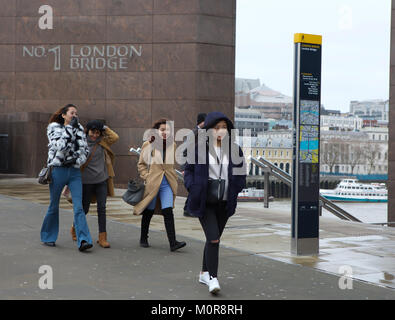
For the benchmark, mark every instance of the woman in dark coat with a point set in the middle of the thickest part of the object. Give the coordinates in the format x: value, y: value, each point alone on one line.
x: 221, y: 158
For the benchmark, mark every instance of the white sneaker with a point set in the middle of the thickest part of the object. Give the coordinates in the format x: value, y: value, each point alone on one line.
x: 213, y: 286
x: 204, y: 277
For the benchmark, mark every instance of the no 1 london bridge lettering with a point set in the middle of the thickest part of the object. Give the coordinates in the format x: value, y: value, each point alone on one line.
x: 86, y: 57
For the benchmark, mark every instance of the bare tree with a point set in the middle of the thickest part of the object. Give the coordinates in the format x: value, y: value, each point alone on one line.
x: 330, y: 153
x: 357, y: 155
x: 370, y: 151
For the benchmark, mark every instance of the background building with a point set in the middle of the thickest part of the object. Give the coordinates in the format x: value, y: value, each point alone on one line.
x: 275, y: 147
x: 250, y: 119
x: 341, y: 123
x: 370, y: 109
x: 363, y: 153
x: 271, y: 103
x: 244, y: 86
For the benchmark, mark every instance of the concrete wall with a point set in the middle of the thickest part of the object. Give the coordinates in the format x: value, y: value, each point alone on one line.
x: 169, y: 58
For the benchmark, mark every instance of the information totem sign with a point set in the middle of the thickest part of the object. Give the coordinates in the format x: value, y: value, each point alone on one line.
x: 306, y: 145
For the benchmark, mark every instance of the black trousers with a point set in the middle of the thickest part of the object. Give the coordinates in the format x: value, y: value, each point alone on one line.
x: 213, y: 224
x: 100, y: 190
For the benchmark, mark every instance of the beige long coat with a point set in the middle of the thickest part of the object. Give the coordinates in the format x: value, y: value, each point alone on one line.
x: 152, y: 169
x: 109, y: 138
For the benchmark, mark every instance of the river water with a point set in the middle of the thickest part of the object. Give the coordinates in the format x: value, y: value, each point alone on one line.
x: 366, y: 212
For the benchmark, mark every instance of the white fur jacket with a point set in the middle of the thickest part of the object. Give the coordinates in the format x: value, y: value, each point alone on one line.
x: 65, y: 143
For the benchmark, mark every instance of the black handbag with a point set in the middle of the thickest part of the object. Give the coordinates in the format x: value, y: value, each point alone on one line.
x: 216, y: 188
x: 45, y: 175
x: 135, y: 192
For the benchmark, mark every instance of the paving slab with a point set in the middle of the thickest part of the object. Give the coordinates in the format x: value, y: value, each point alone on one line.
x: 127, y: 271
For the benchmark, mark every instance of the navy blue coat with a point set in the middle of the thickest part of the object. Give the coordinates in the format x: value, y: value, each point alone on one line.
x: 196, y: 177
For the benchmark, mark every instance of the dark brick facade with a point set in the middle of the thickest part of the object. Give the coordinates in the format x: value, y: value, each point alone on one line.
x: 126, y: 61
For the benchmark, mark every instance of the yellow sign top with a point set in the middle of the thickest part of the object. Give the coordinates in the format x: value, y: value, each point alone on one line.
x: 307, y: 38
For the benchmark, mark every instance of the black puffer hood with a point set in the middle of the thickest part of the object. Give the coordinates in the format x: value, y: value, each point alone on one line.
x: 214, y: 117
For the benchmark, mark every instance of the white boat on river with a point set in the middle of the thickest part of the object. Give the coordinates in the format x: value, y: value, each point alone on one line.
x: 350, y: 190
x: 252, y: 194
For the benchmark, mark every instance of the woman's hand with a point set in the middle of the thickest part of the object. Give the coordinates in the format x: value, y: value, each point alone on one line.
x: 74, y: 122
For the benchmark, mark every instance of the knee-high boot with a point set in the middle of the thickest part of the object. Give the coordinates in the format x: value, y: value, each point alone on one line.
x: 168, y: 217
x: 145, y: 222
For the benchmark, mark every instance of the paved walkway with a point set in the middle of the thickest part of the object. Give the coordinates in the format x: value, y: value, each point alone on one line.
x: 255, y: 260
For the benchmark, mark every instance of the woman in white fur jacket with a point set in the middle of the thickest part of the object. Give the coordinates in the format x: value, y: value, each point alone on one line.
x: 68, y: 150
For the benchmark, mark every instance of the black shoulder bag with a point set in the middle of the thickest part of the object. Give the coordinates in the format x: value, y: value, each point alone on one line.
x: 135, y: 192
x: 44, y: 177
x: 216, y: 188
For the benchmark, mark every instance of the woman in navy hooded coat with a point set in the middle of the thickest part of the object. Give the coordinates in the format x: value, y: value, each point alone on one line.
x: 216, y: 156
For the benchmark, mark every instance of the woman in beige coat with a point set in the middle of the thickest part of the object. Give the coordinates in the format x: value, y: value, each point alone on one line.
x: 156, y: 168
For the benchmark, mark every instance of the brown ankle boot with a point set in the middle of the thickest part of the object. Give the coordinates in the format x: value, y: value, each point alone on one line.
x: 73, y: 234
x: 103, y: 240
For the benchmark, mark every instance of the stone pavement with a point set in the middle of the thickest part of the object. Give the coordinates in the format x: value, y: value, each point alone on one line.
x: 255, y: 260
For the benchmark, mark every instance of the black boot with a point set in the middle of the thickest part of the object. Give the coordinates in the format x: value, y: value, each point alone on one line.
x: 170, y: 230
x: 145, y: 221
x: 85, y: 246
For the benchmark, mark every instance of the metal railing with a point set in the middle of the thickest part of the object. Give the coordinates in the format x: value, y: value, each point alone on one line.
x: 270, y: 168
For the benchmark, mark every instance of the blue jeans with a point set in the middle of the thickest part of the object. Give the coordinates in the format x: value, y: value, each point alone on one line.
x: 62, y: 176
x: 165, y: 194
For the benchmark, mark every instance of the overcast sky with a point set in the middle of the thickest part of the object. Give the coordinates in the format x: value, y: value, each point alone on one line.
x: 356, y: 45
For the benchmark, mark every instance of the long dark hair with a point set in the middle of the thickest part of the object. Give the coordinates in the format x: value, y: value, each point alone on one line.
x: 57, y: 116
